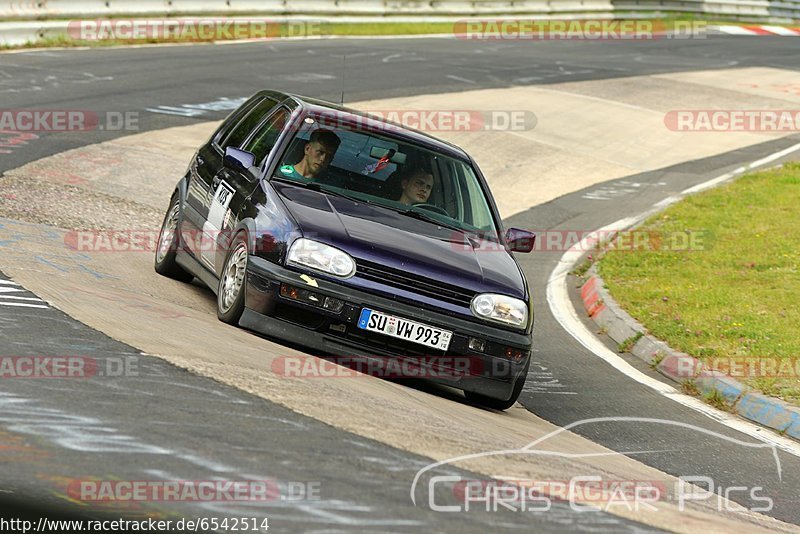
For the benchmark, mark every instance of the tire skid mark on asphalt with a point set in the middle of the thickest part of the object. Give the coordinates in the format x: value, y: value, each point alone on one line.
x: 224, y: 104
x: 21, y: 416
x: 18, y: 78
x: 172, y: 384
x: 542, y: 380
x: 75, y: 432
x: 24, y: 416
x: 618, y: 188
x: 323, y: 511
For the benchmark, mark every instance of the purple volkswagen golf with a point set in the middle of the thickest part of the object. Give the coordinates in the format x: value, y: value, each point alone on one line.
x: 378, y: 246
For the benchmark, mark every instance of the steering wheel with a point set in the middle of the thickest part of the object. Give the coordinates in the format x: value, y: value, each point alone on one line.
x: 434, y: 208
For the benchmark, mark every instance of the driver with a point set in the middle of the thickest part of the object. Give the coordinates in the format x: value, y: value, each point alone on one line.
x: 416, y: 187
x: 317, y: 155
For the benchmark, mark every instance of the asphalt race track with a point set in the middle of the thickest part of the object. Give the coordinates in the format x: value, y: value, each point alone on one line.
x: 171, y: 424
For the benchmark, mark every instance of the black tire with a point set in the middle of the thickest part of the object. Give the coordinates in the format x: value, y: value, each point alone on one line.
x: 232, y: 281
x: 165, y: 264
x: 495, y: 404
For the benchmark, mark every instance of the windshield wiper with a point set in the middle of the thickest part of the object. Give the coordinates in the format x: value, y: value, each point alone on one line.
x: 318, y: 187
x: 427, y: 218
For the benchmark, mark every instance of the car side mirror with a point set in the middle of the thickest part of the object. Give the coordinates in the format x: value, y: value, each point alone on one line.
x: 238, y: 159
x: 520, y: 240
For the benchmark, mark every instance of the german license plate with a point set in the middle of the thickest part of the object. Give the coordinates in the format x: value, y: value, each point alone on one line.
x: 412, y: 331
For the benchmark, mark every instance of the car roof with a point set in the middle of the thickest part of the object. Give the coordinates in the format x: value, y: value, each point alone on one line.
x: 398, y: 131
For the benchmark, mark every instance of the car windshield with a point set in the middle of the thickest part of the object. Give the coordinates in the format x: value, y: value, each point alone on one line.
x: 382, y: 170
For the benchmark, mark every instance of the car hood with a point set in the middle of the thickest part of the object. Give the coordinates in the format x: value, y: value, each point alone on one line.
x: 395, y: 241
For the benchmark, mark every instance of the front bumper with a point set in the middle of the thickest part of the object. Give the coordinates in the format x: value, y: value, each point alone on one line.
x: 489, y: 372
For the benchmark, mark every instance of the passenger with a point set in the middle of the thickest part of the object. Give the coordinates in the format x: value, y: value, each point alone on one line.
x: 416, y: 187
x: 317, y: 155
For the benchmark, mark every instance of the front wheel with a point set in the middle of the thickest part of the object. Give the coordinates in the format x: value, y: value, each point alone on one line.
x: 230, y: 294
x: 495, y: 404
x: 167, y: 248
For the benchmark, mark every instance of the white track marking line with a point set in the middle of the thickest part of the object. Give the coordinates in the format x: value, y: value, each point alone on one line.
x: 2, y: 297
x: 563, y: 311
x: 740, y: 170
x: 8, y: 283
x: 21, y: 305
x: 707, y: 185
x: 12, y: 290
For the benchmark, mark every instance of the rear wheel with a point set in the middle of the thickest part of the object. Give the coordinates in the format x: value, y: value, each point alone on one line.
x: 167, y: 248
x: 495, y: 404
x: 230, y: 294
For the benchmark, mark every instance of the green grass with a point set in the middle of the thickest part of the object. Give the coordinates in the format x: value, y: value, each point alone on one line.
x: 584, y: 267
x: 717, y: 400
x: 736, y: 294
x: 658, y: 357
x: 386, y: 28
x: 628, y: 344
x: 690, y: 388
x: 324, y: 29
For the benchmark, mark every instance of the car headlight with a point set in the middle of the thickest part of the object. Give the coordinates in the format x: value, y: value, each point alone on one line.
x: 500, y: 308
x: 321, y: 257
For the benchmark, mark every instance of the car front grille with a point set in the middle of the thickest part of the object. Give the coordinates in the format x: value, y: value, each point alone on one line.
x: 416, y: 284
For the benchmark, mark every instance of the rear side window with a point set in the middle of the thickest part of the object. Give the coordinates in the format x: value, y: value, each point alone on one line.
x: 264, y: 139
x: 242, y: 130
x: 234, y: 119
